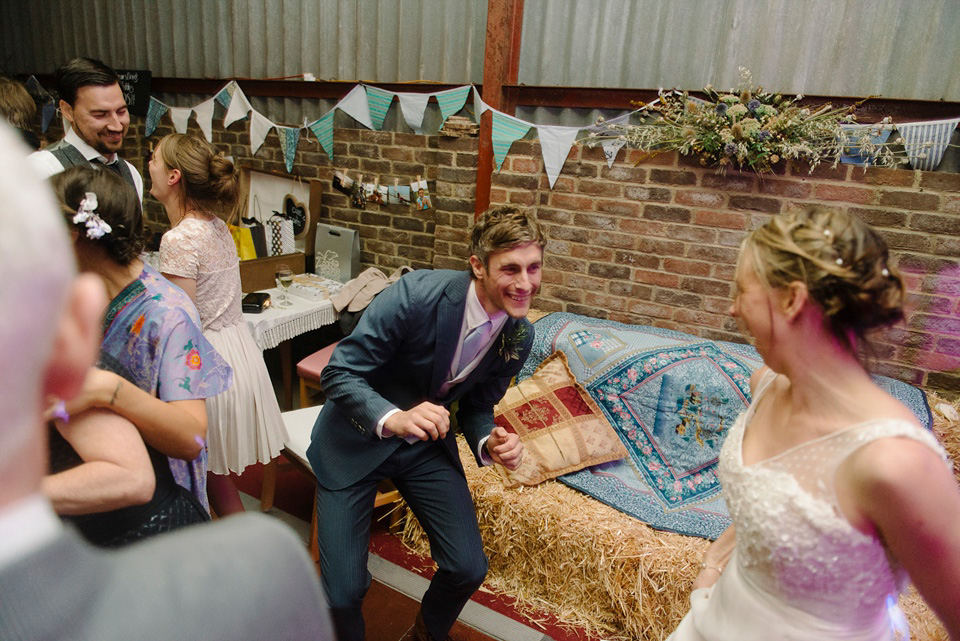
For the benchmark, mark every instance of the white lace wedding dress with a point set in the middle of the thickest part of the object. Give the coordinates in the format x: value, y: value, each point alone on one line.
x: 244, y: 425
x: 799, y: 571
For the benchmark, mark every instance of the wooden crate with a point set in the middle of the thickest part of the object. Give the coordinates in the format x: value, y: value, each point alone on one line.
x: 260, y: 273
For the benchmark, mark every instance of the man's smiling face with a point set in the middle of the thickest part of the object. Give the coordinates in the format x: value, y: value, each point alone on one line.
x: 509, y: 279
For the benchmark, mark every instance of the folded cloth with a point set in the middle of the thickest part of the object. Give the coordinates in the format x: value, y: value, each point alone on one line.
x: 358, y: 292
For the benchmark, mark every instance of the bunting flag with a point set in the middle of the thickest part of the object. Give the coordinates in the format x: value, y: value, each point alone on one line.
x: 49, y: 107
x: 225, y: 95
x: 414, y: 106
x: 155, y: 112
x: 506, y: 130
x: 555, y: 143
x: 260, y: 126
x: 925, y: 142
x: 239, y: 107
x: 479, y: 106
x: 47, y: 112
x: 451, y: 101
x: 322, y: 128
x: 354, y: 104
x: 378, y: 101
x: 180, y: 116
x: 204, y: 114
x: 289, y: 138
x: 852, y: 155
x: 611, y: 148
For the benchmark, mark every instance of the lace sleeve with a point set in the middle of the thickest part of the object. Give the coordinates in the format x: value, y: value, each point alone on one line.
x: 179, y: 254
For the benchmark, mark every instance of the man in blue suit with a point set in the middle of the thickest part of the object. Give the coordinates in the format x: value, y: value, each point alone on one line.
x: 432, y: 338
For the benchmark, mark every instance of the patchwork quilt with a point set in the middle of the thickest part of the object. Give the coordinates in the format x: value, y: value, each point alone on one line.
x: 671, y: 397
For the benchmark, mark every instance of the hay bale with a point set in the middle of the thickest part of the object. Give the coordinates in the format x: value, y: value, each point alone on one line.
x: 562, y: 552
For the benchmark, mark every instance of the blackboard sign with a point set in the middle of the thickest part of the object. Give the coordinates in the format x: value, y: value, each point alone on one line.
x: 136, y: 90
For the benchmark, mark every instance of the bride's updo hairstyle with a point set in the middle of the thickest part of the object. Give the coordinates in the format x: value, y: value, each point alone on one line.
x: 209, y: 179
x: 842, y: 261
x: 112, y: 219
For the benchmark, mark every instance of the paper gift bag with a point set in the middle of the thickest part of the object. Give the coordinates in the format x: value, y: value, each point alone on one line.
x: 243, y: 239
x: 280, y: 236
x: 259, y: 234
x: 336, y: 253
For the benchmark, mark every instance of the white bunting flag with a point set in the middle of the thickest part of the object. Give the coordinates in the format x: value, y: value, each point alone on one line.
x: 180, y: 116
x: 555, y: 143
x: 414, y: 106
x: 239, y: 107
x: 204, y: 113
x: 479, y: 106
x: 611, y: 148
x: 260, y: 126
x: 354, y: 104
x: 925, y: 142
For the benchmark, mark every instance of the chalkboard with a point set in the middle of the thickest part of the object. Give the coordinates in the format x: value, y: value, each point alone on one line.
x: 136, y: 90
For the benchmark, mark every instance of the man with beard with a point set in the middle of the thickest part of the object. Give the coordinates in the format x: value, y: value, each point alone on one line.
x: 92, y: 103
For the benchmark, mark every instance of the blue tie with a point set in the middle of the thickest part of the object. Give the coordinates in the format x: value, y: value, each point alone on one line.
x: 472, y: 344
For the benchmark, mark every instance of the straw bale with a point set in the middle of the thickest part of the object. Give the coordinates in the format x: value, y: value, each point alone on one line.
x: 558, y: 551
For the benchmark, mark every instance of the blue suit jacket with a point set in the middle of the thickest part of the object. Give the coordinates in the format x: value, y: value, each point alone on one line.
x: 397, y: 357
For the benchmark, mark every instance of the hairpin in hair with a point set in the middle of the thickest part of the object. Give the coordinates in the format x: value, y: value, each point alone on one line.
x: 86, y: 214
x: 885, y: 272
x: 827, y: 233
x: 840, y: 261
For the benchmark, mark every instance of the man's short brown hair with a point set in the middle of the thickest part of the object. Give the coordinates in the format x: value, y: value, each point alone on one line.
x: 502, y: 229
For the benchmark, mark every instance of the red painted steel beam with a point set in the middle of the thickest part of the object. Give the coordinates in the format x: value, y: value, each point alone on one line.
x: 501, y: 64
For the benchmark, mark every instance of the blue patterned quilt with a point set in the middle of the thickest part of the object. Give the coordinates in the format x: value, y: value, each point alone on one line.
x: 671, y: 398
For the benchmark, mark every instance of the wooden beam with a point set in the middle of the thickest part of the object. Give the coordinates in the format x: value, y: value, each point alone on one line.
x: 501, y: 64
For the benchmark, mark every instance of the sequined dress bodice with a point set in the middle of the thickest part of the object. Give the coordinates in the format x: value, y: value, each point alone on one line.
x: 792, y: 541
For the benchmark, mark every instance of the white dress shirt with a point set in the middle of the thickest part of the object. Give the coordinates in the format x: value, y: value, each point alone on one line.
x: 46, y: 164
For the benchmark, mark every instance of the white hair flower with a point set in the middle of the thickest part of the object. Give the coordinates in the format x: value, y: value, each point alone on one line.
x: 86, y: 214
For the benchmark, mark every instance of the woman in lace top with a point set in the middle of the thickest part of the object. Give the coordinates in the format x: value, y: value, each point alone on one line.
x: 195, y: 183
x: 835, y: 491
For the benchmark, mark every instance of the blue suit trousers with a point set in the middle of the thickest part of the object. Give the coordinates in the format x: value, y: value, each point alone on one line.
x: 437, y: 493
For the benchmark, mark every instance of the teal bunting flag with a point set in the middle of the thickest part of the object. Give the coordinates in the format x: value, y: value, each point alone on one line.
x: 155, y: 112
x: 506, y: 131
x: 452, y: 101
x: 289, y: 138
x: 379, y: 102
x: 322, y: 128
x: 225, y: 95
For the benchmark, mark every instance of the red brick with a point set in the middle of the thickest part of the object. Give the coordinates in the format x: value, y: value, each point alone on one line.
x: 687, y: 267
x: 690, y: 233
x: 939, y: 181
x: 883, y: 176
x: 909, y: 200
x: 947, y: 247
x: 756, y: 203
x: 732, y: 181
x: 619, y: 173
x: 844, y: 193
x: 693, y: 317
x: 600, y: 188
x: 572, y: 202
x: 668, y: 177
x: 951, y: 204
x: 592, y: 252
x: 522, y: 197
x: 823, y: 171
x: 637, y: 259
x: 616, y: 241
x: 586, y: 283
x: 525, y: 165
x: 564, y: 184
x: 696, y: 198
x: 651, y: 194
x: 935, y: 223
x: 619, y: 207
x: 609, y: 272
x: 647, y: 308
x: 726, y: 219
x: 667, y: 214
x: 786, y: 188
x: 498, y: 195
x: 602, y: 301
x: 563, y: 293
x: 676, y: 298
x: 706, y: 286
x: 660, y: 279
x: 881, y: 217
x: 631, y: 290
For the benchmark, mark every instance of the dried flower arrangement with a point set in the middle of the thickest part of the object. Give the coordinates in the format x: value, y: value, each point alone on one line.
x: 751, y: 129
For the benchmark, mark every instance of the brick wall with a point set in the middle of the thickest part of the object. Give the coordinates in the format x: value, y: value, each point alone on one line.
x: 650, y: 240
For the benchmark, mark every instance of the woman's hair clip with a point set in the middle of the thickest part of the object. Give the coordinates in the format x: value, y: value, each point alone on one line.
x: 885, y: 272
x: 827, y: 233
x: 840, y: 261
x: 86, y: 214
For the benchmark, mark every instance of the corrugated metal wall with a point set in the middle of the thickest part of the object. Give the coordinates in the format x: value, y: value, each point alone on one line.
x: 895, y: 48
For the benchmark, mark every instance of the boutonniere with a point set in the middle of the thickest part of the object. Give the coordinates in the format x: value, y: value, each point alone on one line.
x: 511, y: 343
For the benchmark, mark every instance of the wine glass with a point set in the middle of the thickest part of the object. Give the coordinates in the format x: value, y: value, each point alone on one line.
x: 284, y: 280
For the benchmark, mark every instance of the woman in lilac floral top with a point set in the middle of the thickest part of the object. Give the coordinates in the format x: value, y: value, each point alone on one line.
x: 156, y: 369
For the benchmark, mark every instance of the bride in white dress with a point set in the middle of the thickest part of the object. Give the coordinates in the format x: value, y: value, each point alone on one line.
x: 837, y: 495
